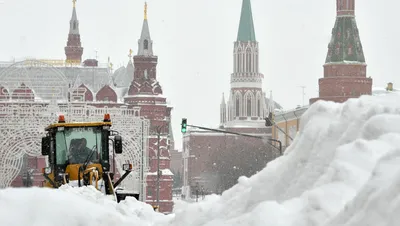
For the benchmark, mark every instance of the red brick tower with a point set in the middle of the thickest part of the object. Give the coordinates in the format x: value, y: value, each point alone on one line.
x: 345, y: 67
x: 146, y: 92
x: 74, y: 50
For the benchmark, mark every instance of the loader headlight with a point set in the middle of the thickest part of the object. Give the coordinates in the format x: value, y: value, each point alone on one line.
x: 126, y: 167
x: 46, y: 170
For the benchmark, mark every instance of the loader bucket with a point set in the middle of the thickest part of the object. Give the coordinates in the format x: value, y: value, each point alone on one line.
x: 122, y: 196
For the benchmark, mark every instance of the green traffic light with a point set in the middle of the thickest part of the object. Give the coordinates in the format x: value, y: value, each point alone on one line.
x: 184, y: 124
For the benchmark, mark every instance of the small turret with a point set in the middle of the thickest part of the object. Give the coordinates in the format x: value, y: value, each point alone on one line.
x: 74, y: 50
x: 389, y: 87
x: 223, y: 110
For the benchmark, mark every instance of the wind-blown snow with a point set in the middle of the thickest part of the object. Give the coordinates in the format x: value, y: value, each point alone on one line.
x: 342, y: 169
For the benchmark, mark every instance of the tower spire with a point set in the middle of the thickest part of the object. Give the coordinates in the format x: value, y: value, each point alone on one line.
x: 74, y: 23
x: 246, y: 26
x: 145, y: 42
x: 74, y: 50
x: 145, y: 10
x: 345, y: 43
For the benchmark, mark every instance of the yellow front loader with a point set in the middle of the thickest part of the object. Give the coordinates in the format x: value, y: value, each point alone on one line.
x: 78, y: 154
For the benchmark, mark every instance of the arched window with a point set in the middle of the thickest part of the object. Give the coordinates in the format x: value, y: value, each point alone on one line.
x: 258, y: 108
x: 256, y: 64
x: 74, y: 25
x: 237, y: 107
x: 248, y: 106
x: 248, y: 61
x: 146, y: 44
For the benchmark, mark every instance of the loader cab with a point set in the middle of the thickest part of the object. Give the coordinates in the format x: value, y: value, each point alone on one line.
x: 71, y: 145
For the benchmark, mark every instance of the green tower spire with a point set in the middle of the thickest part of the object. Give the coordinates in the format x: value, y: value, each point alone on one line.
x: 246, y: 26
x: 345, y: 44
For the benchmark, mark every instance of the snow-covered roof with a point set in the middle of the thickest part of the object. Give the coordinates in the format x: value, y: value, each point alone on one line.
x: 346, y: 62
x: 121, y: 93
x: 245, y: 124
x: 165, y: 172
x: 377, y: 91
x: 277, y: 105
x: 93, y: 77
x: 123, y: 76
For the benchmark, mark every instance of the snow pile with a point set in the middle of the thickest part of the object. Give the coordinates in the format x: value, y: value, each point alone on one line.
x: 71, y: 207
x: 343, y: 169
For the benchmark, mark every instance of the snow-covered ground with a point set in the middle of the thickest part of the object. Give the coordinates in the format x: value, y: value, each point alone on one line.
x: 69, y: 206
x: 343, y: 168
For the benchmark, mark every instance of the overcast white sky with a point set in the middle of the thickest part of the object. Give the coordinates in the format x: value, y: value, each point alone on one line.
x: 194, y: 42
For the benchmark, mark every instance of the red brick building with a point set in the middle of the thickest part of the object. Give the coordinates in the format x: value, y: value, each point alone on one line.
x: 146, y: 92
x: 345, y: 70
x: 142, y: 90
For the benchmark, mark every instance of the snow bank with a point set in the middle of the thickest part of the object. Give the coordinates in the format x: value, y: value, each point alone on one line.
x: 71, y: 207
x: 343, y: 168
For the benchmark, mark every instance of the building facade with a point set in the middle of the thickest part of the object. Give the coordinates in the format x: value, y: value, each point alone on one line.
x: 345, y: 69
x: 94, y: 84
x: 244, y: 112
x: 287, y: 124
x: 146, y: 92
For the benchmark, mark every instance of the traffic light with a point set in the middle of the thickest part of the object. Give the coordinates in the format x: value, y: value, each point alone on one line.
x: 184, y: 124
x: 270, y: 120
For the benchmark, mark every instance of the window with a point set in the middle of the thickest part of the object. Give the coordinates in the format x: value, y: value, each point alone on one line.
x: 248, y: 106
x: 76, y: 145
x: 237, y: 107
x: 258, y: 107
x: 256, y: 64
x: 248, y: 61
x: 105, y: 98
x: 146, y: 44
x: 74, y: 26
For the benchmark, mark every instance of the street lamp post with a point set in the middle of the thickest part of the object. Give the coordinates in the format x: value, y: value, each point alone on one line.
x: 158, y: 130
x: 158, y: 168
x: 28, y: 178
x: 197, y: 191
